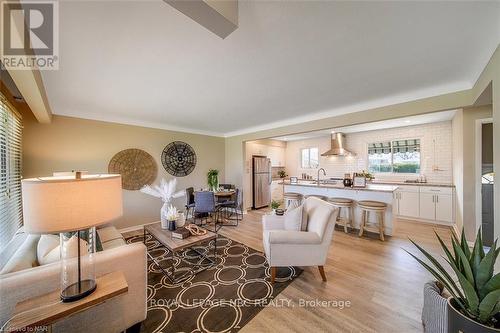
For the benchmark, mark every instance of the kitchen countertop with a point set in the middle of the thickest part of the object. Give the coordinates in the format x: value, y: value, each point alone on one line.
x: 375, y: 182
x: 340, y: 186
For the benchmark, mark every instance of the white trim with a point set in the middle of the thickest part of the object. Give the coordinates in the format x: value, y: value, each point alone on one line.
x: 455, y: 229
x: 478, y: 170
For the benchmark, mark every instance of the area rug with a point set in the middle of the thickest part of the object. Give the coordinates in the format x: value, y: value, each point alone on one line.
x: 223, y: 298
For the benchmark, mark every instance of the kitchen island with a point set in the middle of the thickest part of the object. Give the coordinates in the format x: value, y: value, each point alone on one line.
x: 377, y: 192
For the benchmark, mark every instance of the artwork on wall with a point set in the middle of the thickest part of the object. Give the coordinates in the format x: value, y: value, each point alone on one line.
x: 136, y: 167
x: 178, y: 159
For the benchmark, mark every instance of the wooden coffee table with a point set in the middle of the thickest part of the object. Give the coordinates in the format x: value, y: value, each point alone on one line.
x: 164, y: 237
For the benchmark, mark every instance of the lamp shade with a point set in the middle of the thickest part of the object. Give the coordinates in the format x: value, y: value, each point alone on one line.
x: 61, y: 204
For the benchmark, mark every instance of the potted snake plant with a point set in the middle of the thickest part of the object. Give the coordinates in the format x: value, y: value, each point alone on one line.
x: 474, y: 306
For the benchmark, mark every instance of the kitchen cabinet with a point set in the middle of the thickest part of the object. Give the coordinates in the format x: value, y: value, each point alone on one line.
x: 277, y: 156
x: 426, y: 203
x: 436, y: 204
x: 276, y: 190
x: 427, y: 206
x: 406, y: 201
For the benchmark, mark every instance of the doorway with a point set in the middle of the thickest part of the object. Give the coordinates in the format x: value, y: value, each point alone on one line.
x: 487, y: 181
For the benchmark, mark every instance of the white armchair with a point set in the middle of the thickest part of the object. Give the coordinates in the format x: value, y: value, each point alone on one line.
x: 300, y: 248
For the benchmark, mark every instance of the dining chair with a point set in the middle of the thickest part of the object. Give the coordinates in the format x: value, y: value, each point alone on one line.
x: 205, y: 206
x: 227, y: 186
x: 233, y: 206
x: 189, y: 201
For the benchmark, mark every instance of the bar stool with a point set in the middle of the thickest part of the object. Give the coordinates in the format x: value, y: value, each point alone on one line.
x: 346, y: 205
x: 292, y: 198
x: 322, y: 197
x: 377, y: 207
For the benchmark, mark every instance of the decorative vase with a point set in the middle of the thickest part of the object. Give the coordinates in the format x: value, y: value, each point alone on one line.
x: 171, y: 225
x: 163, y: 215
x: 181, y: 220
x: 457, y: 322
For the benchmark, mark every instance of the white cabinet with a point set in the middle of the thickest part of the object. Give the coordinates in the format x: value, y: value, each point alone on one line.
x: 276, y: 190
x: 427, y: 206
x: 406, y: 201
x: 444, y: 208
x: 436, y: 204
x: 277, y: 155
x: 426, y: 203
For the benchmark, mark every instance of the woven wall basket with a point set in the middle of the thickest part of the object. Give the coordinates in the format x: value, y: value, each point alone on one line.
x: 137, y: 168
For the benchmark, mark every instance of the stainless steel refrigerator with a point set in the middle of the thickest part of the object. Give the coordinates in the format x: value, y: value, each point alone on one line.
x: 261, y: 180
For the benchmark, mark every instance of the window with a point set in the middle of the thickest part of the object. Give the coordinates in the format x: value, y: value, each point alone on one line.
x: 398, y: 156
x: 310, y: 158
x: 10, y: 171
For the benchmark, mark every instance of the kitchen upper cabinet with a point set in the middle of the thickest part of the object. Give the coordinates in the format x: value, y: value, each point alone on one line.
x: 277, y: 156
x: 427, y: 206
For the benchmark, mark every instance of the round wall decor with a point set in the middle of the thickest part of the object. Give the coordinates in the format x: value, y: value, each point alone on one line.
x: 137, y: 168
x: 178, y: 158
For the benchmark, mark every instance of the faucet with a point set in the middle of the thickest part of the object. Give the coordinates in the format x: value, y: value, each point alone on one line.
x: 324, y: 173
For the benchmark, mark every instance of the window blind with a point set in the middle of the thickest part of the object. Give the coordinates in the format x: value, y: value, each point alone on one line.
x: 11, y: 213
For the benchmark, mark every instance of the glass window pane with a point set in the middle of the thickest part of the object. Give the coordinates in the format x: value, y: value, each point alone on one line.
x: 313, y: 158
x: 379, y: 157
x: 406, y: 156
x: 305, y: 158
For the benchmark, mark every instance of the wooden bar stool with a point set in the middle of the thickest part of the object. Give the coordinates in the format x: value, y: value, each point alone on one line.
x: 377, y: 207
x: 292, y: 198
x: 346, y: 205
x: 322, y: 197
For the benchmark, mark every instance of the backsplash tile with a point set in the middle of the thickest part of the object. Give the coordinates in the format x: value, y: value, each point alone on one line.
x: 435, y: 140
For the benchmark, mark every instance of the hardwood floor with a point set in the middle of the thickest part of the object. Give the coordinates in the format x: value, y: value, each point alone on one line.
x: 382, y: 283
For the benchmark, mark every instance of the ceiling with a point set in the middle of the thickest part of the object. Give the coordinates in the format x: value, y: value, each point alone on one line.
x: 378, y: 125
x: 144, y: 63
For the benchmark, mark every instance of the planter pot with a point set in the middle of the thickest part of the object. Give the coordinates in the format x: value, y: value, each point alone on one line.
x: 459, y: 323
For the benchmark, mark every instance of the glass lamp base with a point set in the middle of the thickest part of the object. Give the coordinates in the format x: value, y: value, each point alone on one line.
x: 77, y: 291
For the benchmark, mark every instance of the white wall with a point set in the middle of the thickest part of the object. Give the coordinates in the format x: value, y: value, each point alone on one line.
x: 336, y: 166
x: 458, y: 167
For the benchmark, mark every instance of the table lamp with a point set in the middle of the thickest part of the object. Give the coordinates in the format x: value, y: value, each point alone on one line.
x: 72, y: 206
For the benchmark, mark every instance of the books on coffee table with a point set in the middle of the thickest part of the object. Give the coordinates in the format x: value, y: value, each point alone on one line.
x: 181, y: 233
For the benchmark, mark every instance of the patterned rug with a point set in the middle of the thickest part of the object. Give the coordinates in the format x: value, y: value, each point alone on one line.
x: 222, y: 298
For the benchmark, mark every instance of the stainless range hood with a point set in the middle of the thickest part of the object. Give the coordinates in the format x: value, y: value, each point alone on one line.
x: 338, y: 148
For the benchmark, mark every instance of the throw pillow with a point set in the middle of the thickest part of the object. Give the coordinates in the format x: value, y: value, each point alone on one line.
x: 46, y: 244
x: 24, y: 257
x: 293, y: 219
x: 72, y: 248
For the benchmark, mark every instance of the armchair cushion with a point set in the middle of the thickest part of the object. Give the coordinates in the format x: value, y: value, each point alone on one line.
x: 319, y: 213
x: 293, y: 237
x: 273, y: 222
x: 293, y: 219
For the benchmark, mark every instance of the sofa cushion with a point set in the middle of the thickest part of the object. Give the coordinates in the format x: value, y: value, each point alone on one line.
x: 12, y: 246
x: 44, y: 252
x: 293, y: 219
x: 55, y: 254
x: 24, y: 257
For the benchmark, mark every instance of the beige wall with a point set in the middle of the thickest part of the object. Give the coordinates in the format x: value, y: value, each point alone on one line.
x: 72, y: 143
x: 470, y: 115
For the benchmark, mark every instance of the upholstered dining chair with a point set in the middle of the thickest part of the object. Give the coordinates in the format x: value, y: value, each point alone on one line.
x: 205, y: 205
x: 300, y: 248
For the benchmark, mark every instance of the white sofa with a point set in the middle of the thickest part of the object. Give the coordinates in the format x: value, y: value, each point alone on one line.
x: 115, y: 315
x: 300, y: 248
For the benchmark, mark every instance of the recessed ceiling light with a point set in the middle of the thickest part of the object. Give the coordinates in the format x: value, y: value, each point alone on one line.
x: 407, y: 121
x: 333, y: 132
